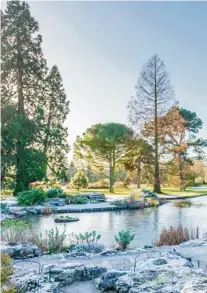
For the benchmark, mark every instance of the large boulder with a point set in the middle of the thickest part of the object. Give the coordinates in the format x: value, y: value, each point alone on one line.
x: 89, y: 272
x: 108, y: 280
x: 159, y: 262
x: 198, y: 285
x: 83, y: 250
x: 27, y: 250
x: 123, y: 284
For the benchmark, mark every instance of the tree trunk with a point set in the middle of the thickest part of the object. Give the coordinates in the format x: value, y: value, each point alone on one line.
x: 111, y: 172
x: 20, y: 178
x: 3, y: 175
x: 157, y: 188
x: 180, y: 172
x: 139, y: 173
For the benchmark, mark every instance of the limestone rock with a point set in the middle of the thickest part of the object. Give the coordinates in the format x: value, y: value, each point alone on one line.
x: 108, y: 280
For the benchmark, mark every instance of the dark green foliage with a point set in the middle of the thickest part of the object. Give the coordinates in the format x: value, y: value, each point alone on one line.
x: 34, y: 105
x: 55, y: 192
x: 78, y: 199
x: 124, y: 238
x: 79, y: 180
x: 31, y: 197
x: 102, y: 146
x: 4, y: 208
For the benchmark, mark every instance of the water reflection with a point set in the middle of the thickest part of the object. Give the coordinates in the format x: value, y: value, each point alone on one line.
x: 146, y: 224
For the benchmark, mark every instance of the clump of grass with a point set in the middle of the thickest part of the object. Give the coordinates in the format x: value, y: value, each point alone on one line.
x: 183, y: 204
x: 176, y: 235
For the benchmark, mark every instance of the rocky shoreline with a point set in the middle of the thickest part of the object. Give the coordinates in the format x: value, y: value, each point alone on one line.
x: 153, y: 270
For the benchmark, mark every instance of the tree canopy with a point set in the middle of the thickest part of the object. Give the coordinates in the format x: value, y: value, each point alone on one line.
x: 103, y: 146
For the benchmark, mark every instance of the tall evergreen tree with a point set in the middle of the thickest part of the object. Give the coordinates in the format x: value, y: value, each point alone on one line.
x: 56, y: 109
x: 23, y: 69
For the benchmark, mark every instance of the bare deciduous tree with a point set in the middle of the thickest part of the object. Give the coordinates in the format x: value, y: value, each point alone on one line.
x: 154, y: 96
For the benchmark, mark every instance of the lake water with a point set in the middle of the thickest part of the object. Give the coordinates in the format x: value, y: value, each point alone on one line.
x: 146, y: 224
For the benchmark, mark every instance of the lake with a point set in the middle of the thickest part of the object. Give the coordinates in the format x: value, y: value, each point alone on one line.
x: 146, y: 224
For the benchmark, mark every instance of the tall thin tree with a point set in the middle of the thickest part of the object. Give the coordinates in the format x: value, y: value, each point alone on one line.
x: 22, y: 74
x: 154, y: 96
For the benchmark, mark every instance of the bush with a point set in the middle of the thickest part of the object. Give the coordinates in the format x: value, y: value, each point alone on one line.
x: 46, y: 210
x: 4, y: 208
x: 153, y: 202
x: 78, y: 199
x: 124, y: 238
x: 176, y: 235
x: 101, y: 184
x: 31, y: 197
x: 126, y: 182
x: 79, y: 180
x: 87, y: 238
x: 55, y: 192
x: 52, y: 241
x: 148, y: 193
x: 6, y: 268
x: 183, y: 204
x: 56, y: 185
x: 15, y: 232
x: 119, y: 202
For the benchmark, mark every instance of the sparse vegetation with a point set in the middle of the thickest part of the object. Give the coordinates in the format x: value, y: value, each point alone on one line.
x: 176, y: 235
x: 87, y: 238
x: 183, y: 204
x: 15, y: 232
x: 124, y: 238
x: 52, y: 241
x: 6, y: 268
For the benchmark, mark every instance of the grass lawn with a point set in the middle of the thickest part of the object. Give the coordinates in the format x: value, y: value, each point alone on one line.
x: 175, y: 192
x: 127, y: 191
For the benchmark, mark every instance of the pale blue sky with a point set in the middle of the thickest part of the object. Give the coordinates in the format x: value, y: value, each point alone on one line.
x: 100, y: 48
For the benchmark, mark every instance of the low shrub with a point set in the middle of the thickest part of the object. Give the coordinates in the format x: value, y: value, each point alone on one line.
x: 87, y: 238
x: 78, y: 199
x: 153, y: 202
x: 101, y: 184
x: 4, y: 208
x: 55, y: 192
x: 6, y: 268
x: 119, y: 202
x: 124, y: 238
x: 148, y: 193
x: 176, y: 235
x: 46, y: 210
x: 133, y: 197
x: 6, y: 193
x: 52, y: 241
x: 183, y: 204
x: 31, y: 197
x: 56, y: 185
x: 15, y: 232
